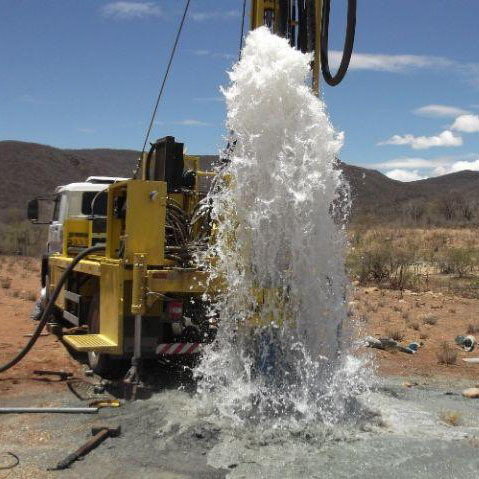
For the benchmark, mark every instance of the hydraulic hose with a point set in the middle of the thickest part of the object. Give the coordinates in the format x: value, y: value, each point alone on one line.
x: 49, y: 308
x: 348, y: 43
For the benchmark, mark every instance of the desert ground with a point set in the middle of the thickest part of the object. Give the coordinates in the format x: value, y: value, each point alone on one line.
x: 415, y: 418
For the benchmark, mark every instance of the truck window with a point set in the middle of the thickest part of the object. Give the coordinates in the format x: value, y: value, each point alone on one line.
x: 100, y: 203
x: 56, y: 208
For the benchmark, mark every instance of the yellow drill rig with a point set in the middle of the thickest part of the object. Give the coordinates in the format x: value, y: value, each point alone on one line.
x: 125, y: 281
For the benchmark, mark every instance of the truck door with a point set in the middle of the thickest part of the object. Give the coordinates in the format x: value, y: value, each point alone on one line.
x: 55, y: 231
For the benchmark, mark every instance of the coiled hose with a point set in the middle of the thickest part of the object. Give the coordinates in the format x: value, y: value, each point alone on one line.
x: 348, y: 43
x: 49, y: 308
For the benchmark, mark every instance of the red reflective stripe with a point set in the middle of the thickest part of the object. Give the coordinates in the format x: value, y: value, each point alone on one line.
x: 162, y: 347
x: 193, y: 348
x: 178, y: 348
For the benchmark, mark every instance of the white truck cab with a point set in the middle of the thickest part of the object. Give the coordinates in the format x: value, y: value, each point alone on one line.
x: 77, y: 200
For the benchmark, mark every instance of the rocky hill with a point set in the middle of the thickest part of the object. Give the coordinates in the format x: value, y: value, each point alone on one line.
x: 29, y: 169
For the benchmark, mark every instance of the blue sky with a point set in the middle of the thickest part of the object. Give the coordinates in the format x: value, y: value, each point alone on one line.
x: 85, y: 73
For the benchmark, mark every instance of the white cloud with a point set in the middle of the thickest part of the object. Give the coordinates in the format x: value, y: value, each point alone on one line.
x: 444, y: 139
x: 465, y: 165
x: 31, y: 99
x: 87, y: 131
x: 440, y: 111
x: 466, y: 124
x: 389, y: 63
x: 404, y: 175
x: 127, y: 10
x: 202, y: 16
x: 404, y: 63
x: 191, y: 122
x: 417, y: 168
x: 208, y: 53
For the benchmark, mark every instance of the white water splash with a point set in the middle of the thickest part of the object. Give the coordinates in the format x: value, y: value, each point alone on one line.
x: 275, y: 236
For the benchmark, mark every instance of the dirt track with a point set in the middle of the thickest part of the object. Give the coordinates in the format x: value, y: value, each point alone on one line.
x: 398, y: 432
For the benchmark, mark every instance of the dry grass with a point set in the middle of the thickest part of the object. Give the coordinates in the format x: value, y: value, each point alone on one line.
x: 405, y: 315
x: 395, y: 334
x: 5, y: 283
x: 473, y: 328
x: 447, y: 354
x: 423, y: 336
x: 29, y: 296
x: 414, y: 325
x: 453, y: 418
x: 430, y: 319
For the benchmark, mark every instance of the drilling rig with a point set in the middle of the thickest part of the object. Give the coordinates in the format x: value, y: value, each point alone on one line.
x: 123, y: 281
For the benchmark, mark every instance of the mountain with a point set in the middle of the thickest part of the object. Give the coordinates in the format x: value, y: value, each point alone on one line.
x: 28, y: 170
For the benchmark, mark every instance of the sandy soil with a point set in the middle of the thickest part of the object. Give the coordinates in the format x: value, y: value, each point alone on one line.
x: 19, y: 287
x: 382, y: 313
x: 399, y: 431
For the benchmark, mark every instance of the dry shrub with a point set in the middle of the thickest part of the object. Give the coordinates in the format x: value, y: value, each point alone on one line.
x: 15, y: 294
x: 29, y: 296
x: 446, y: 354
x: 453, y: 418
x: 473, y: 328
x: 5, y: 283
x: 395, y: 334
x: 423, y: 336
x: 430, y: 319
x: 414, y: 325
x: 405, y: 315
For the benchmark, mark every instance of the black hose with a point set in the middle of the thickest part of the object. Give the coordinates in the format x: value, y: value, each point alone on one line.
x: 49, y: 308
x: 348, y: 43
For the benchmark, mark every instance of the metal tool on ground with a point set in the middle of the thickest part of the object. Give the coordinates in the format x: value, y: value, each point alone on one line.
x: 86, y: 390
x: 99, y: 435
x: 61, y: 374
x: 101, y: 403
x: 48, y: 410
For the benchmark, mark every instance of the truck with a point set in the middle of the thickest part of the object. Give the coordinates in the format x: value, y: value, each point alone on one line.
x: 141, y: 294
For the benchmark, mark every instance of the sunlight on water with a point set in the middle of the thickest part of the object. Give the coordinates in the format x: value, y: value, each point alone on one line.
x: 281, y: 349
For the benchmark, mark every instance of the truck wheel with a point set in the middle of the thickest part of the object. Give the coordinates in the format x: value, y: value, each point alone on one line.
x: 37, y: 311
x: 100, y: 363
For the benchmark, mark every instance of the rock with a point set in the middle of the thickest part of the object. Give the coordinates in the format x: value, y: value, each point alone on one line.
x: 466, y: 342
x: 371, y: 342
x: 471, y: 360
x: 408, y: 384
x: 471, y: 393
x: 414, y: 346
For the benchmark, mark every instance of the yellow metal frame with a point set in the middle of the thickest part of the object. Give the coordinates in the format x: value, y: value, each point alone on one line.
x: 142, y: 272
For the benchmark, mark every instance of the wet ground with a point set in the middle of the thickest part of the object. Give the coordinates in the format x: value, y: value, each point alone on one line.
x: 401, y: 432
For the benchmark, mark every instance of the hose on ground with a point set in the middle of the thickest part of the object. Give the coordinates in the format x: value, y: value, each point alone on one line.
x: 49, y: 308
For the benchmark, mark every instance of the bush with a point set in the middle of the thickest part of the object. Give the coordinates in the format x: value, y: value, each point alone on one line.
x: 453, y: 418
x: 5, y: 283
x: 430, y: 319
x: 458, y: 261
x: 395, y: 334
x: 446, y: 354
x: 473, y: 328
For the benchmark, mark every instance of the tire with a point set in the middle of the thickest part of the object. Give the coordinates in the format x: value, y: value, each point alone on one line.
x: 37, y: 310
